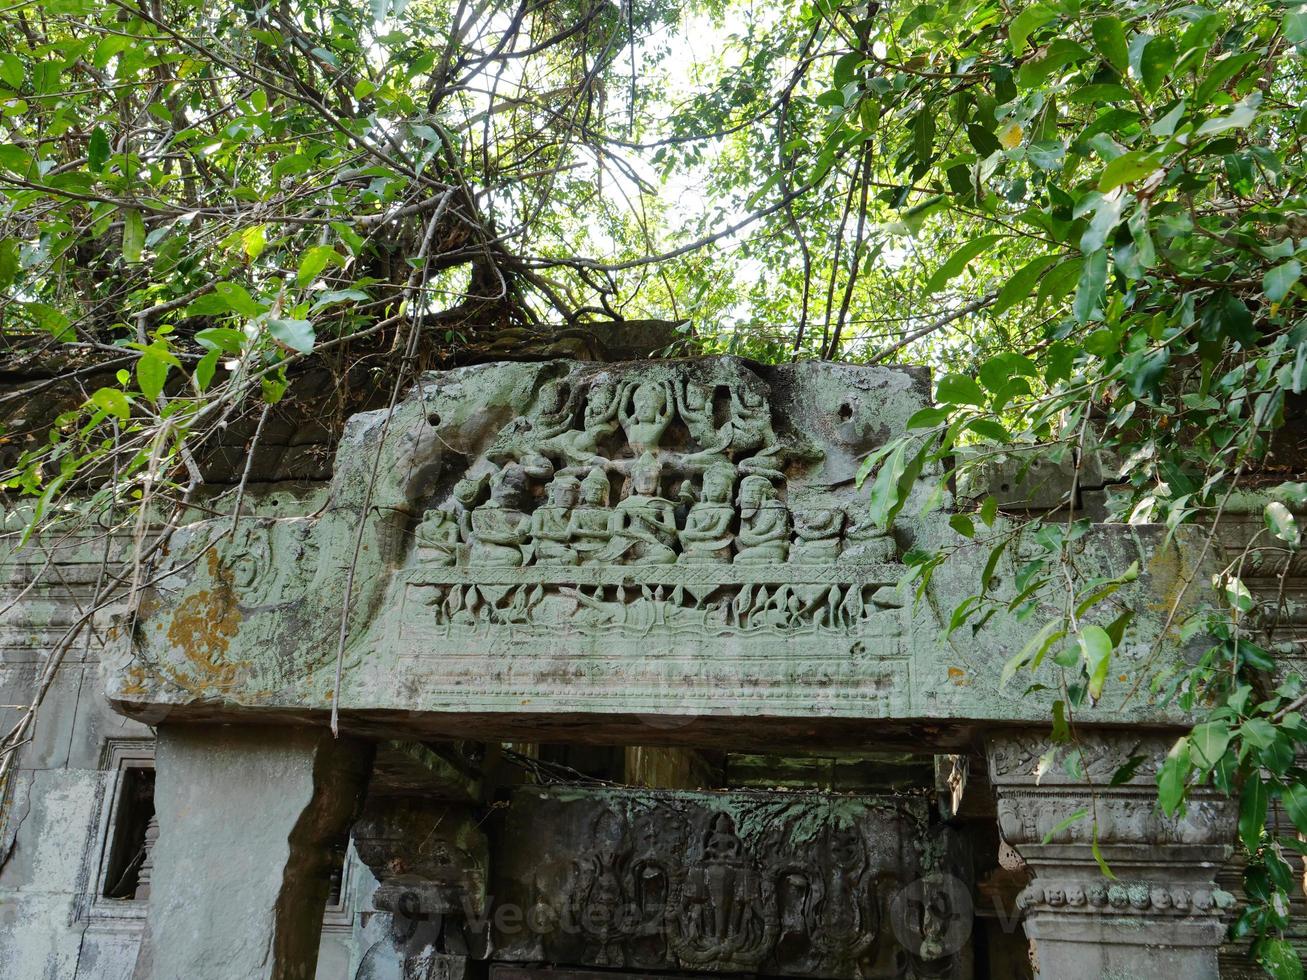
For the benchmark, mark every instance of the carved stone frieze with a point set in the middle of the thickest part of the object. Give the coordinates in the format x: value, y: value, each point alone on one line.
x: 714, y: 882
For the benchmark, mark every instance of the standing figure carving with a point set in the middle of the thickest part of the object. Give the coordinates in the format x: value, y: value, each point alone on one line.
x: 707, y: 536
x: 764, y: 536
x: 643, y: 525
x: 726, y: 916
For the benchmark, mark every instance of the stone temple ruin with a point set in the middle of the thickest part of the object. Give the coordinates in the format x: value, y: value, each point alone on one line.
x: 626, y: 686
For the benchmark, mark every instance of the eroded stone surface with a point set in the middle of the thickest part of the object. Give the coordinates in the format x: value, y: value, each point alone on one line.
x: 564, y: 541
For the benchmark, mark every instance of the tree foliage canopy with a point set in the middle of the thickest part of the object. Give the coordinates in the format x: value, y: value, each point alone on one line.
x: 1087, y: 216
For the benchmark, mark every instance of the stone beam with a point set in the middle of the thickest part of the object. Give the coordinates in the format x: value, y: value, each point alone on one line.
x: 246, y: 818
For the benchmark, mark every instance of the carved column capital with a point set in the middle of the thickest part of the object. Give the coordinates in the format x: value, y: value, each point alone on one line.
x: 1161, y: 913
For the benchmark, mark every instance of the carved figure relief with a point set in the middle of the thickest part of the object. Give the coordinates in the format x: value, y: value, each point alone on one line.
x: 681, y: 475
x: 711, y: 882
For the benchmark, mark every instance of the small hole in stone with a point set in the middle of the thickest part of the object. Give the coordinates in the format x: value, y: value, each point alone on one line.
x: 846, y: 411
x: 433, y: 419
x: 1004, y: 488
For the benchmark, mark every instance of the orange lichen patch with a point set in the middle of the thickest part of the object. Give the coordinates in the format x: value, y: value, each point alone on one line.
x: 958, y: 676
x: 202, y: 628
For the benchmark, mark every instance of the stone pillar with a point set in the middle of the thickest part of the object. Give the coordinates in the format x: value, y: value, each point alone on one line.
x: 247, y: 817
x: 430, y: 858
x: 1161, y: 915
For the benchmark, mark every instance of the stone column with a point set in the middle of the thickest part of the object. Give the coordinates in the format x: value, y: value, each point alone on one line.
x: 1161, y: 915
x: 430, y: 858
x: 247, y: 816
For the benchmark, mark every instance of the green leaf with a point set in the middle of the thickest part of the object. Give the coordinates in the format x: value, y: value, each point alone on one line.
x: 313, y: 262
x: 1109, y: 40
x: 221, y: 339
x: 1107, y: 215
x: 1173, y: 776
x: 1241, y: 116
x: 15, y: 158
x: 1278, y: 958
x: 11, y: 70
x: 1208, y: 742
x: 112, y: 401
x: 9, y: 262
x: 1062, y: 825
x: 1252, y: 812
x: 97, y: 149
x: 1127, y: 168
x: 958, y: 261
x: 1278, y: 281
x: 1047, y: 154
x: 958, y: 389
x: 1060, y: 53
x: 1090, y: 288
x: 296, y: 334
x: 963, y: 525
x: 54, y: 322
x: 1157, y: 62
x: 363, y: 88
x: 928, y: 418
x: 1295, y: 27
x: 205, y: 368
x: 1096, y: 646
x: 1281, y: 523
x: 254, y: 240
x: 1022, y: 283
x: 152, y: 372
x: 133, y: 235
x: 884, y: 489
x: 1294, y: 798
x: 1106, y: 871
x: 1026, y: 23
x: 235, y: 299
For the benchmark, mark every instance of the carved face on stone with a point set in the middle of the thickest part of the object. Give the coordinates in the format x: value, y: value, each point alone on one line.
x: 649, y: 402
x: 721, y: 844
x: 845, y: 847
x: 646, y: 475
x: 1075, y: 895
x: 594, y: 488
x: 755, y: 491
x: 563, y: 492
x: 718, y: 482
x: 508, y: 489
x: 598, y: 402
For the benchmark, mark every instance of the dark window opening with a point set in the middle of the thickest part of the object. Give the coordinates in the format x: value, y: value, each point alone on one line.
x: 134, y: 830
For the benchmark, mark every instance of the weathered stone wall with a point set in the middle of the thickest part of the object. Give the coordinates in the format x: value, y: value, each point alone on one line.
x: 692, y: 615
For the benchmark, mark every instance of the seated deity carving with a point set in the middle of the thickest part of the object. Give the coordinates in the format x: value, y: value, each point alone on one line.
x: 865, y: 542
x: 764, y: 536
x: 553, y: 523
x: 438, y: 536
x: 816, y: 535
x: 645, y: 413
x: 643, y: 525
x: 707, y: 536
x: 590, y: 536
x: 499, y: 527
